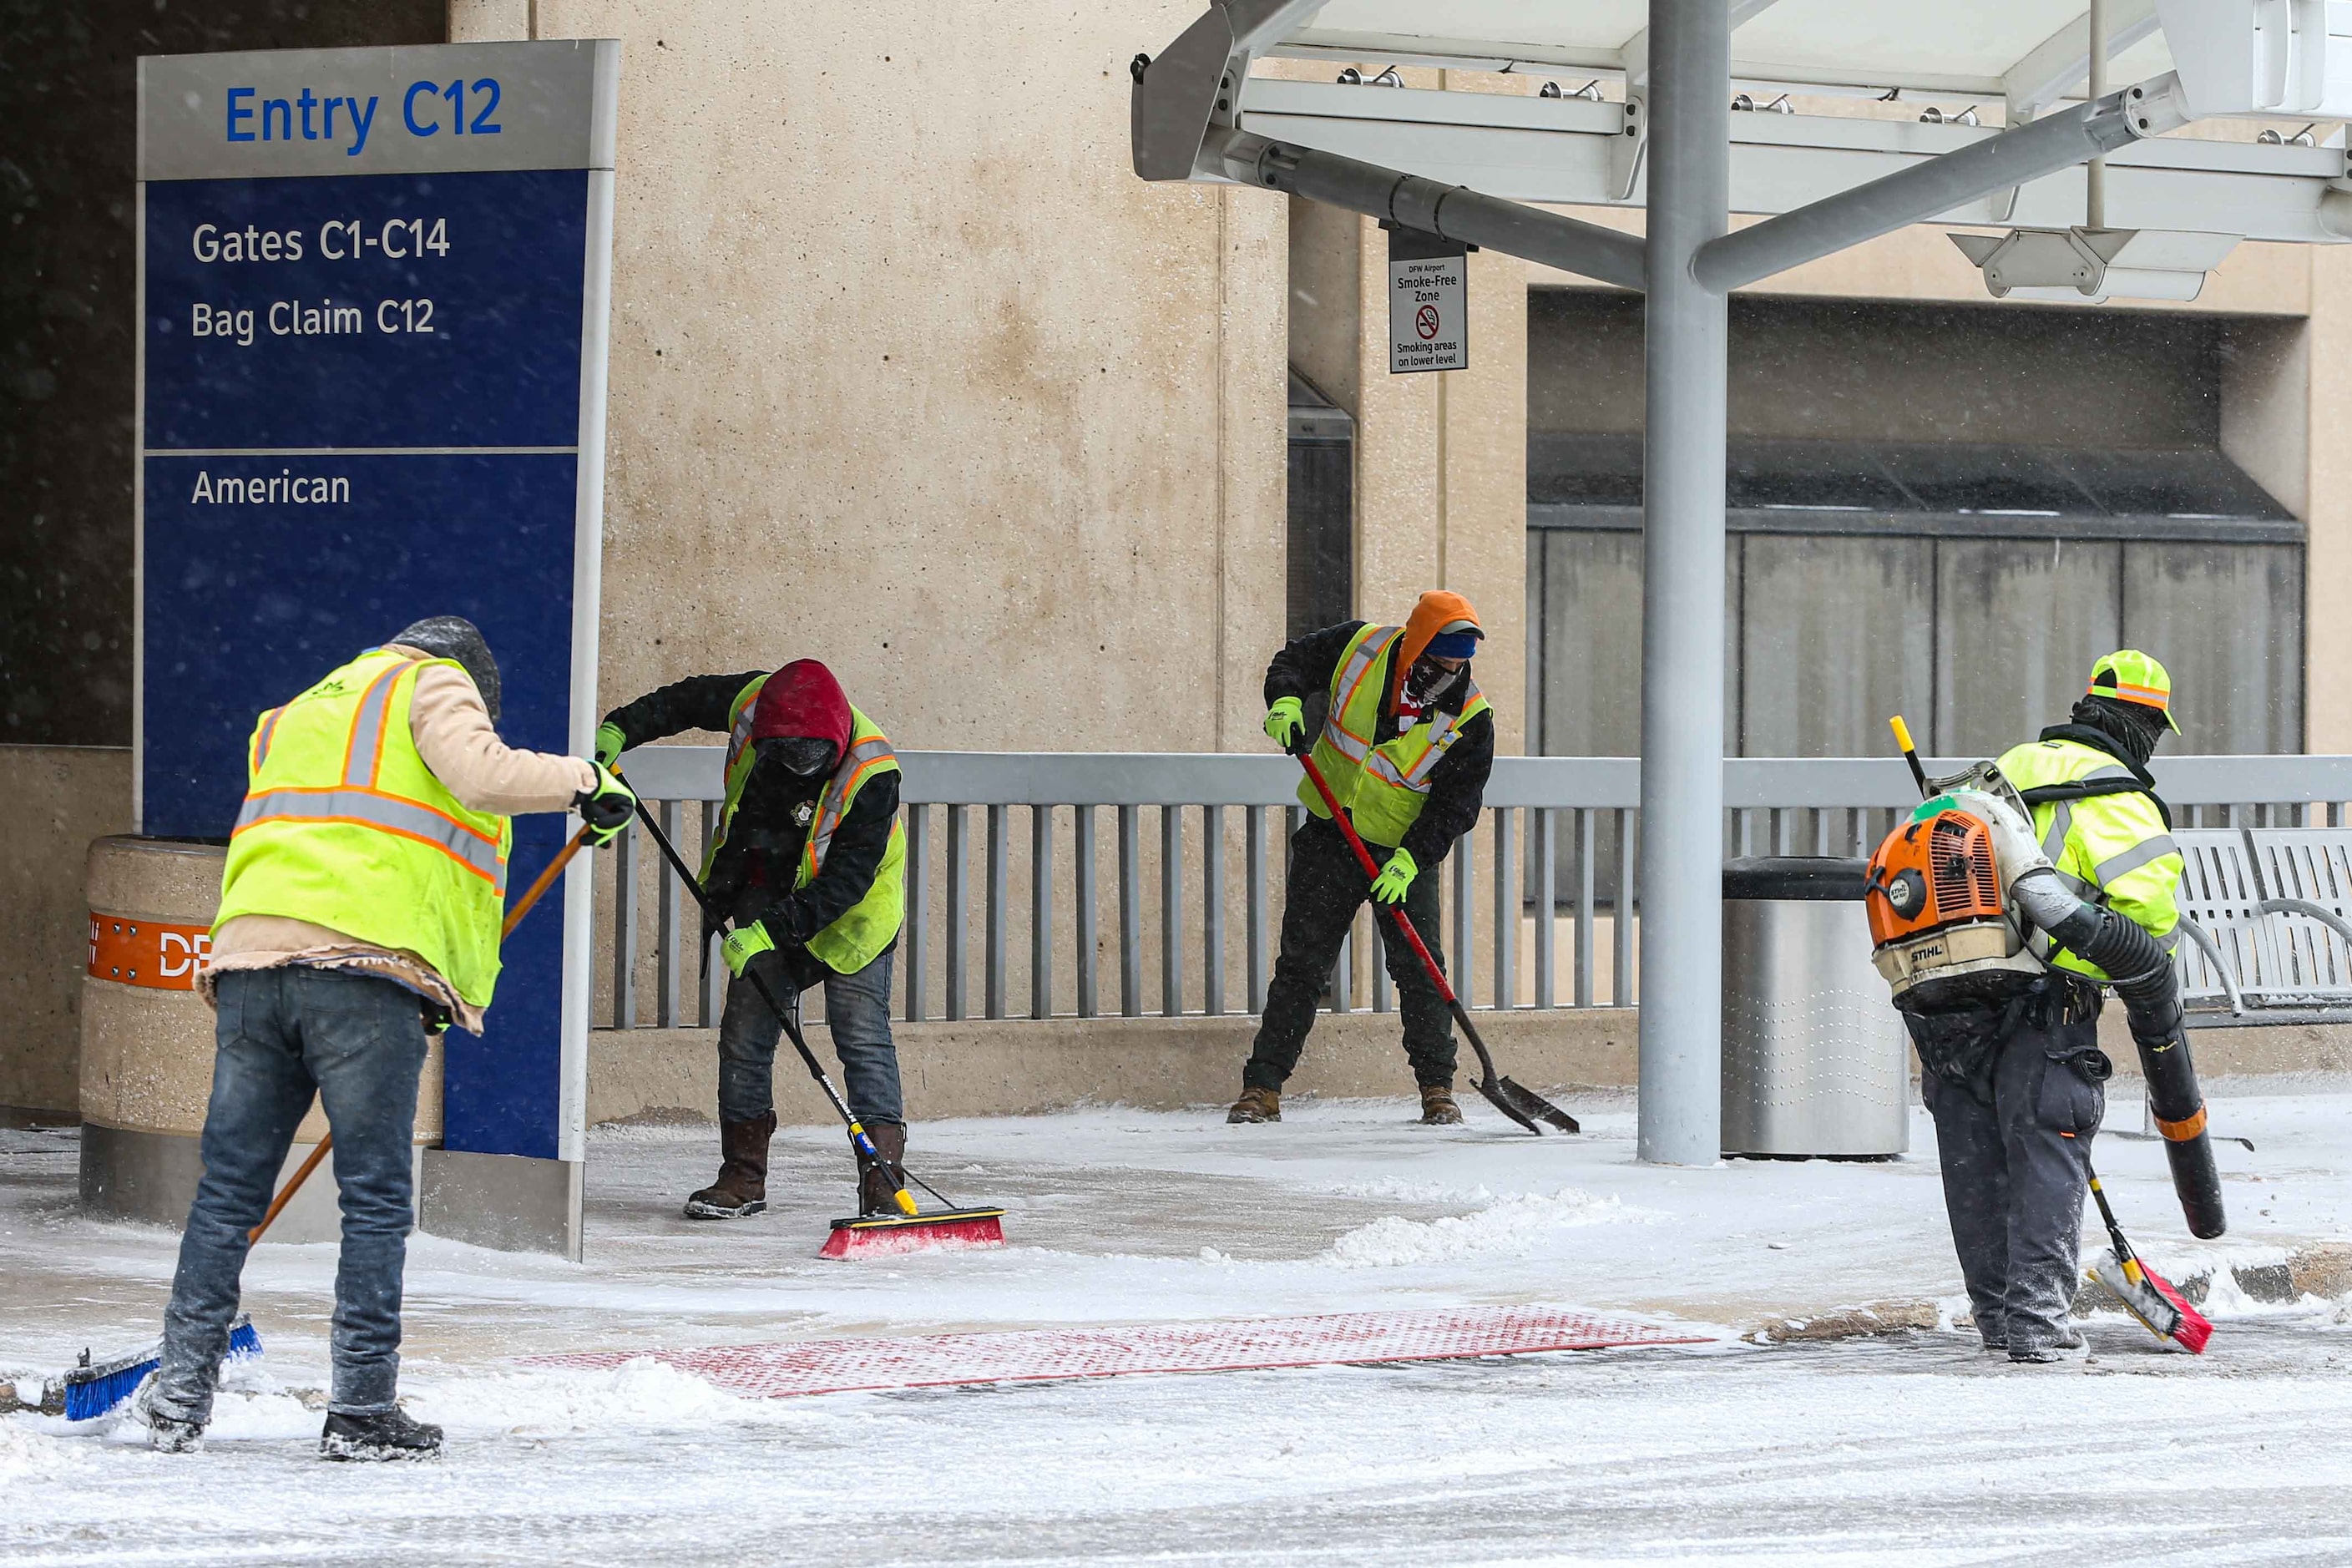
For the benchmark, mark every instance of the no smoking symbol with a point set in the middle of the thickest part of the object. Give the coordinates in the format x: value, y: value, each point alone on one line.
x: 1424, y: 322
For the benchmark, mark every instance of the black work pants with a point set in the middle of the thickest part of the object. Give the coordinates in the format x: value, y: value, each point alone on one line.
x: 2016, y: 1172
x: 1327, y: 887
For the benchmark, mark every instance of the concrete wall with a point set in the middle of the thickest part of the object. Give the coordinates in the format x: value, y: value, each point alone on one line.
x: 62, y: 797
x: 913, y: 376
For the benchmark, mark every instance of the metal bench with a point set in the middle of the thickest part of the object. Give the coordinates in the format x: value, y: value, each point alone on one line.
x: 2267, y: 917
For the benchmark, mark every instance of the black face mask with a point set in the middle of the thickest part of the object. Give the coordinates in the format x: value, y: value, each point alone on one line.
x: 2134, y: 727
x: 802, y: 756
x: 1428, y: 681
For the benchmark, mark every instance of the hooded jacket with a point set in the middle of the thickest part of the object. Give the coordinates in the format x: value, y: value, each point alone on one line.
x: 753, y: 877
x: 1457, y: 784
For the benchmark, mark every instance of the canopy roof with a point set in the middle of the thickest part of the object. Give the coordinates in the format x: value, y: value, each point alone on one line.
x: 2028, y: 50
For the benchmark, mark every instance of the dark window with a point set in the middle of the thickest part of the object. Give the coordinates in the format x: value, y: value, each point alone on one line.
x: 1322, y: 557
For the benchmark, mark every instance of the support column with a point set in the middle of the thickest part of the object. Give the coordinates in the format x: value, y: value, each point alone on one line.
x: 1682, y: 592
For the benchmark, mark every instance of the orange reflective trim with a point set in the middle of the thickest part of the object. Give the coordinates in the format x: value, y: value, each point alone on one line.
x: 2182, y: 1131
x: 494, y: 882
x: 161, y: 955
x: 262, y: 731
x: 359, y: 716
x: 467, y: 828
x: 2148, y: 696
x: 1370, y: 656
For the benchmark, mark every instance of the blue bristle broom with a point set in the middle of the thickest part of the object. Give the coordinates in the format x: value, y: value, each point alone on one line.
x: 93, y: 1388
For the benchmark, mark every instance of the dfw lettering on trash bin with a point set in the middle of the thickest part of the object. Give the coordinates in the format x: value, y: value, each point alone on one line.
x: 1429, y: 303
x: 373, y: 292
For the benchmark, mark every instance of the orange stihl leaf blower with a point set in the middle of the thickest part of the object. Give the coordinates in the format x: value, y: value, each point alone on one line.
x: 1956, y: 895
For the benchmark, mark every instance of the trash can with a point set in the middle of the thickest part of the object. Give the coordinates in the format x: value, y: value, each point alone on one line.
x: 1815, y: 1058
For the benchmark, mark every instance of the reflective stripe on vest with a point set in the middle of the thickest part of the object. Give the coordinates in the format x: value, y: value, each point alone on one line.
x: 862, y: 759
x: 1369, y: 650
x: 373, y: 808
x: 261, y: 738
x: 364, y: 753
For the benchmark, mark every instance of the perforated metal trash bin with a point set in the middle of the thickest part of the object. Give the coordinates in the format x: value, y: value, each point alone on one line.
x: 1815, y: 1058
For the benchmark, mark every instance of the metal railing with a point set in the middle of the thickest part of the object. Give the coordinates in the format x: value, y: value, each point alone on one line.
x: 1555, y: 924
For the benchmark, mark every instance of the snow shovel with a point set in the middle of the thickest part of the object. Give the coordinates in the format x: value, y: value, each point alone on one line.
x: 1521, y: 1104
x: 514, y: 918
x: 908, y: 1230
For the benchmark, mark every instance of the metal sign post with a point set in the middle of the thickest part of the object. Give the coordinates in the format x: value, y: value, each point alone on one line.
x: 1429, y: 301
x: 374, y: 287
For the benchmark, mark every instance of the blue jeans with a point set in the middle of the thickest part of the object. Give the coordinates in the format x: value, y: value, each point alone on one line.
x: 857, y: 1011
x: 358, y: 1042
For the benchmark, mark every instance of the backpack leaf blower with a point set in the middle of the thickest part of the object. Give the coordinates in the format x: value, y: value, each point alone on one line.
x: 1953, y: 895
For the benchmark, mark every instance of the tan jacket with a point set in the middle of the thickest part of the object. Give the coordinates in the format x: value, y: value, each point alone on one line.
x: 453, y: 737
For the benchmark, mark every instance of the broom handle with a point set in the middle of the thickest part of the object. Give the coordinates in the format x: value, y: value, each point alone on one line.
x: 514, y: 918
x: 1910, y: 754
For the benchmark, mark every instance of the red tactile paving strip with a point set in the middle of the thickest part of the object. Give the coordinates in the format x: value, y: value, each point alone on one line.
x: 933, y: 1361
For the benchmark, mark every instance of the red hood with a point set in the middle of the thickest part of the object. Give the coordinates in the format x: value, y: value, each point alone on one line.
x: 802, y: 698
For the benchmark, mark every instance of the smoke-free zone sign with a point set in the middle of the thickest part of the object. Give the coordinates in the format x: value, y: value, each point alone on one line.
x: 1429, y: 303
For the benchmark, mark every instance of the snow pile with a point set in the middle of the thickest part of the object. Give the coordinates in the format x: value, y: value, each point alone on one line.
x: 25, y: 1454
x: 639, y: 1393
x: 1397, y: 1190
x: 1521, y: 1225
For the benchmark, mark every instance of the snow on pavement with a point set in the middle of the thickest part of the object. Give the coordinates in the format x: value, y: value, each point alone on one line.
x: 1912, y: 1449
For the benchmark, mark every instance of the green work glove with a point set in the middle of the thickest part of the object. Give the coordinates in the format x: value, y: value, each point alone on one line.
x: 1397, y: 876
x: 743, y: 944
x: 1284, y: 722
x: 605, y: 807
x: 610, y: 743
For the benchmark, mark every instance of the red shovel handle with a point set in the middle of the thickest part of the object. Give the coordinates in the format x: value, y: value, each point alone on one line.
x: 1364, y: 858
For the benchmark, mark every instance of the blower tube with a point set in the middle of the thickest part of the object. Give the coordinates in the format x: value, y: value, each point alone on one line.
x: 2152, y: 999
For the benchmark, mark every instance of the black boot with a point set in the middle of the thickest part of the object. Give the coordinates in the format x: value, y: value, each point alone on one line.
x: 742, y: 1185
x: 877, y: 1193
x: 387, y: 1434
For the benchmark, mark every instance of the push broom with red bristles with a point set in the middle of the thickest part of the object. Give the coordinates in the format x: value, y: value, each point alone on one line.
x: 2146, y: 1295
x: 866, y: 1236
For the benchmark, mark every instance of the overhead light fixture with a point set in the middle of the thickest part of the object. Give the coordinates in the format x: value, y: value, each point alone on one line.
x: 1549, y: 90
x: 1350, y: 76
x: 1931, y: 115
x: 1743, y: 104
x: 2079, y: 265
x: 2269, y: 138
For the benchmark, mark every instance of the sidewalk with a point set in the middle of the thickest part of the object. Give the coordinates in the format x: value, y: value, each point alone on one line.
x: 1123, y: 1217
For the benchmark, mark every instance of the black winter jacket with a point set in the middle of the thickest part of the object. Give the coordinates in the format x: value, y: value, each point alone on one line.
x: 1457, y: 784
x: 752, y: 879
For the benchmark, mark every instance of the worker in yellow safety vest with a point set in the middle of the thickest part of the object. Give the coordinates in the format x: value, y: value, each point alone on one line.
x: 1402, y: 735
x: 809, y: 862
x: 2018, y: 1090
x: 360, y: 912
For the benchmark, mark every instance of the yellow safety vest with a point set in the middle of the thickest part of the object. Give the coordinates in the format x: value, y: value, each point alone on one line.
x: 345, y: 826
x: 2113, y: 850
x: 1382, y: 787
x: 870, y: 925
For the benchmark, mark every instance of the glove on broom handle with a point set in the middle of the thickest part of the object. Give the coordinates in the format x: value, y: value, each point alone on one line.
x: 514, y: 918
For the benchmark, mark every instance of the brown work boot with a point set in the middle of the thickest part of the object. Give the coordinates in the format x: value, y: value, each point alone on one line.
x: 1257, y: 1105
x: 1437, y: 1106
x: 742, y: 1185
x: 876, y: 1192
